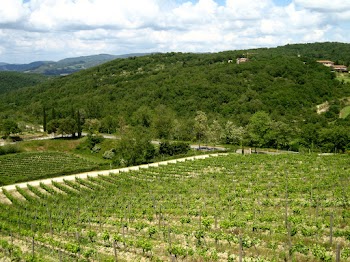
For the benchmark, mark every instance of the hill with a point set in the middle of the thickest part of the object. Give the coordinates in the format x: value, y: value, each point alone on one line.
x: 64, y: 66
x: 285, y: 82
x: 10, y: 81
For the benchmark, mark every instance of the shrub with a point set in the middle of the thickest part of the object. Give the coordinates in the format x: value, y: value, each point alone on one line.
x: 9, y: 149
x: 176, y: 148
x: 109, y: 154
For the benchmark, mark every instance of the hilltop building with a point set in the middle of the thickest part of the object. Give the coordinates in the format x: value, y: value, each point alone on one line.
x: 337, y: 68
x: 241, y: 60
x: 327, y: 63
x: 340, y: 68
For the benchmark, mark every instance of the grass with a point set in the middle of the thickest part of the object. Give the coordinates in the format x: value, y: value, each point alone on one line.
x: 345, y: 112
x: 343, y: 77
x: 58, y: 144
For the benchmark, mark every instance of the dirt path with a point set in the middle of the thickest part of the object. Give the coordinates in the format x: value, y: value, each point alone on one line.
x: 102, y: 172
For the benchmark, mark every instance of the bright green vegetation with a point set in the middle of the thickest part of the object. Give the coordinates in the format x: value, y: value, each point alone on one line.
x: 345, y: 112
x: 344, y: 77
x: 37, y: 165
x: 273, y: 208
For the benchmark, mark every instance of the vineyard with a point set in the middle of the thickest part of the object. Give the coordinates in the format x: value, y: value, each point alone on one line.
x: 226, y: 208
x: 37, y: 165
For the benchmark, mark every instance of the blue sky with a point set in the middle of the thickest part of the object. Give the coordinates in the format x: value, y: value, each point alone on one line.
x: 32, y: 30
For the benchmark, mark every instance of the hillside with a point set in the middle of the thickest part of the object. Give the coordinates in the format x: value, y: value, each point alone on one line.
x: 285, y: 82
x: 279, y: 84
x: 10, y: 81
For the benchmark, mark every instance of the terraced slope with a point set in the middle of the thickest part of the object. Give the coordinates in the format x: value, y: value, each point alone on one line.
x: 257, y: 207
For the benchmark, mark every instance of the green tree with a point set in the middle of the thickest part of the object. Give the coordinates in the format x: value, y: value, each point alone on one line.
x: 233, y: 134
x: 201, y: 126
x: 67, y: 126
x: 108, y: 125
x: 142, y: 117
x: 79, y: 123
x: 9, y: 127
x: 163, y: 122
x: 279, y: 135
x: 134, y: 148
x: 44, y: 119
x: 335, y: 139
x: 92, y: 125
x: 215, y: 132
x: 52, y: 126
x: 258, y: 128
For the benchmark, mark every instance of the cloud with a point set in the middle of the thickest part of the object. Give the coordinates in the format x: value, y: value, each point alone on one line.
x: 54, y: 29
x: 324, y: 5
x: 11, y: 11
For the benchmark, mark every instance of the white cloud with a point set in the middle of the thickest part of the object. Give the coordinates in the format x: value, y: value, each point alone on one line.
x: 11, y: 11
x: 324, y: 5
x: 54, y: 29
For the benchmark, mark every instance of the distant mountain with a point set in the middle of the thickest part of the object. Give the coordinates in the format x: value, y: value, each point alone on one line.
x: 64, y: 66
x: 23, y: 67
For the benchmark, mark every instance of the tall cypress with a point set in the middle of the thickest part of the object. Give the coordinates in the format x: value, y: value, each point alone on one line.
x: 44, y: 119
x: 79, y: 124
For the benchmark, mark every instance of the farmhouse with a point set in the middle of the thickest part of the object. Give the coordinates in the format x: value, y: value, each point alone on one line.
x: 340, y: 68
x: 337, y: 68
x: 326, y: 63
x: 241, y: 60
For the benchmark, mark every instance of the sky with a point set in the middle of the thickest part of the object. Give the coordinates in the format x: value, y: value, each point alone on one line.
x: 36, y: 30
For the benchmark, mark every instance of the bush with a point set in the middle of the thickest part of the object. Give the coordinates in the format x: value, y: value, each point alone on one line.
x: 90, y: 142
x: 171, y: 149
x: 9, y: 149
x: 109, y: 154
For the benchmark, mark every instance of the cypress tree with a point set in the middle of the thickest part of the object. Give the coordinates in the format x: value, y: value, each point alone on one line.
x: 44, y: 119
x: 79, y: 124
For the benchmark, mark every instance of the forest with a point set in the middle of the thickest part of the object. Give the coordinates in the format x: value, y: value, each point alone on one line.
x: 268, y: 101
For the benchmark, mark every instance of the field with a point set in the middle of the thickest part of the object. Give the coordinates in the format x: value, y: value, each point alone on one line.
x: 37, y: 165
x: 343, y: 77
x: 226, y: 208
x: 345, y: 112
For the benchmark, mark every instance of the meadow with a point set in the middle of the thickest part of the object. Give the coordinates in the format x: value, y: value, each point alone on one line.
x: 226, y: 208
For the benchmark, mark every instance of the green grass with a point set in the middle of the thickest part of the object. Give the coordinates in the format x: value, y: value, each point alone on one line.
x: 279, y: 206
x: 345, y: 112
x: 343, y: 77
x: 29, y: 166
x: 58, y: 144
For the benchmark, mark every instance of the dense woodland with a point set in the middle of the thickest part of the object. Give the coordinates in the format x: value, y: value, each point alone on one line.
x: 10, y: 81
x: 269, y: 101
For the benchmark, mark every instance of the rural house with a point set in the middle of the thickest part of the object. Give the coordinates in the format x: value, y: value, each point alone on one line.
x: 326, y: 63
x: 340, y: 68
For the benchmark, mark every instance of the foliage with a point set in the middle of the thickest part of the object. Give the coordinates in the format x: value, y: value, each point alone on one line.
x: 134, y: 148
x: 163, y: 91
x: 10, y: 81
x: 9, y: 149
x: 8, y: 127
x: 175, y: 148
x: 201, y: 126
